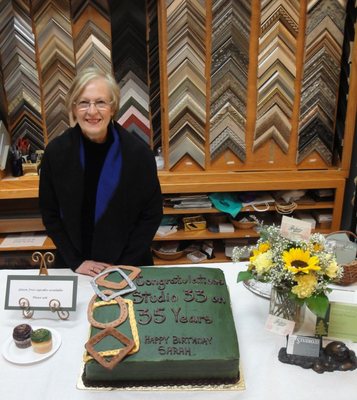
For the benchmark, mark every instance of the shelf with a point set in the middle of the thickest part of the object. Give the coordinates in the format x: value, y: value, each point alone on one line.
x: 178, y: 211
x: 301, y: 206
x: 210, y: 182
x: 206, y: 234
x: 21, y: 224
x: 219, y: 257
x: 23, y: 187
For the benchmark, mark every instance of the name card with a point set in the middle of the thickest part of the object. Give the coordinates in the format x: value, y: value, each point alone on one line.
x: 295, y: 229
x: 303, y: 346
x: 279, y: 325
x: 39, y: 290
x: 340, y: 322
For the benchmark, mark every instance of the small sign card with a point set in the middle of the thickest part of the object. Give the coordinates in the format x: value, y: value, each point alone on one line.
x: 340, y: 322
x: 303, y: 346
x: 279, y: 325
x: 39, y: 290
x: 23, y: 240
x: 295, y: 229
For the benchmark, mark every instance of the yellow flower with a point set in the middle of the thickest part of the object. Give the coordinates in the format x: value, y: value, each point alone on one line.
x: 297, y: 260
x: 263, y: 262
x: 306, y: 285
x: 318, y: 247
x: 332, y: 268
x: 262, y: 248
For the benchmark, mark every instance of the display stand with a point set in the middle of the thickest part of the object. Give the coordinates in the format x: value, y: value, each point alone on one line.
x: 26, y: 309
x: 43, y: 259
x: 54, y: 304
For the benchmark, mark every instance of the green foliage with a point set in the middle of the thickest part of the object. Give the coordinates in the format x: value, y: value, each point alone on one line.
x: 244, y: 276
x: 318, y: 304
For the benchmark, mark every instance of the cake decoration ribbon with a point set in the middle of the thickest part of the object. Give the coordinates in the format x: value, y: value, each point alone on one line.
x: 134, y: 331
x: 109, y: 359
x: 110, y: 364
x: 102, y: 281
x: 93, y: 304
x: 102, y: 295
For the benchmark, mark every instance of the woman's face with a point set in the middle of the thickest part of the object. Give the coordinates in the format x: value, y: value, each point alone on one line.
x: 93, y: 110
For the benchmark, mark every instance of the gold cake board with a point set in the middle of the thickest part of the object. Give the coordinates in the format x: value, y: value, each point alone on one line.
x: 238, y: 386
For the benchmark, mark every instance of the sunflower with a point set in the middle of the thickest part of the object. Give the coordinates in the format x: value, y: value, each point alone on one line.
x: 298, y: 260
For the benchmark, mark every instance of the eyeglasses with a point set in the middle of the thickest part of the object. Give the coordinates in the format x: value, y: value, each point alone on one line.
x: 100, y: 105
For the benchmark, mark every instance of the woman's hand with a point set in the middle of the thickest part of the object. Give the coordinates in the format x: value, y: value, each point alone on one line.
x: 92, y: 268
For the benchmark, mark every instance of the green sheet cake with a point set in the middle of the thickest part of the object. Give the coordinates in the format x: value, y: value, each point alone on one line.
x: 175, y: 327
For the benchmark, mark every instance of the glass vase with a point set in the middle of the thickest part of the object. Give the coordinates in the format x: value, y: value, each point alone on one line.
x: 283, y: 306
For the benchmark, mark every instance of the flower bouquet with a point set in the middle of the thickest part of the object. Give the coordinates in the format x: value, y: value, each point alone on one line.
x: 303, y: 268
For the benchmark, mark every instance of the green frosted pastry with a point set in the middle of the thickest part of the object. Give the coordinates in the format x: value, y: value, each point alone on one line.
x: 41, y: 340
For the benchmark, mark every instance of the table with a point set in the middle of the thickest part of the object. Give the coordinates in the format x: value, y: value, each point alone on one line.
x: 265, y: 377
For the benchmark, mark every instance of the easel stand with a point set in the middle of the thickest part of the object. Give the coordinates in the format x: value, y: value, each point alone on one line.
x: 54, y: 304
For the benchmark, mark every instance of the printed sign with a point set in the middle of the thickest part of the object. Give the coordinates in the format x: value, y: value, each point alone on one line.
x: 279, y: 325
x: 303, y: 346
x: 295, y: 229
x: 40, y: 290
x: 340, y: 322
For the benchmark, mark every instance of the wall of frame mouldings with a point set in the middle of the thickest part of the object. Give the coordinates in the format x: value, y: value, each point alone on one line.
x: 218, y: 84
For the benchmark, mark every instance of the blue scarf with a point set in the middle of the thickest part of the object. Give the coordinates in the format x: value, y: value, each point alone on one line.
x: 109, y: 176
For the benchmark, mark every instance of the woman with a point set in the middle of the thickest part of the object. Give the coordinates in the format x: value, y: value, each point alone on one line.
x: 100, y: 196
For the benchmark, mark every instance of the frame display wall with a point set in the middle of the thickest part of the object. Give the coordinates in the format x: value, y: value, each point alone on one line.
x: 220, y: 85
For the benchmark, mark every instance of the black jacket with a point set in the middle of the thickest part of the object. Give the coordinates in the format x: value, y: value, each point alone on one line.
x: 124, y: 233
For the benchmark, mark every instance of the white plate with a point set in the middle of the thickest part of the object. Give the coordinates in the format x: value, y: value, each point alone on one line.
x: 28, y: 356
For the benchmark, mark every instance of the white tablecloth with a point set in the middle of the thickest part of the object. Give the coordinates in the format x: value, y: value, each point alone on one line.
x: 265, y: 377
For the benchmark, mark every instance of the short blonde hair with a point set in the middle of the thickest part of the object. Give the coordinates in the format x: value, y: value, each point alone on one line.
x: 81, y: 81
